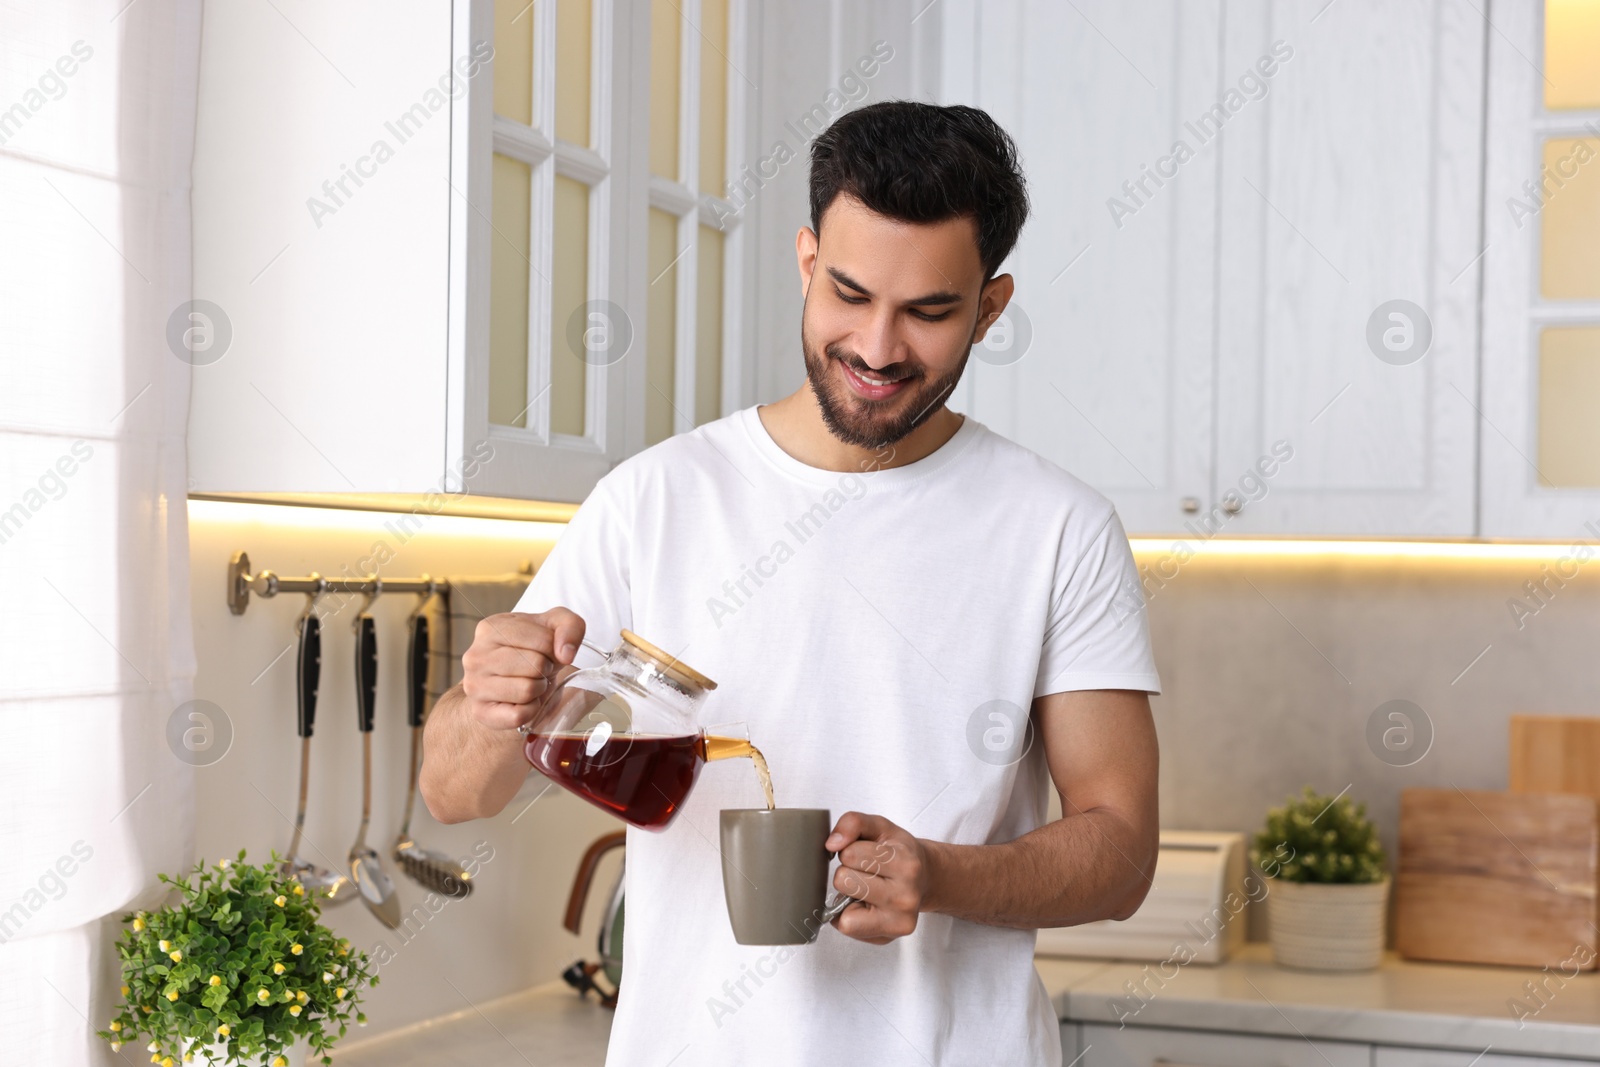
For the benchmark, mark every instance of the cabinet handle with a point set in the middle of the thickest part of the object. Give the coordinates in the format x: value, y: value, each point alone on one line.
x: 1190, y: 504
x: 1232, y: 505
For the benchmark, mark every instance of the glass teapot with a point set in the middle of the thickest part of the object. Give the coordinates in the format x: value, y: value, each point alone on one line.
x: 624, y: 735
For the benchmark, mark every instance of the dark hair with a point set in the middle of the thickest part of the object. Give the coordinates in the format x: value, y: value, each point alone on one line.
x: 924, y: 163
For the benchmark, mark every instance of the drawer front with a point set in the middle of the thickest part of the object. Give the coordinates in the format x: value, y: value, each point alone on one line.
x: 1148, y: 1046
x: 1385, y: 1056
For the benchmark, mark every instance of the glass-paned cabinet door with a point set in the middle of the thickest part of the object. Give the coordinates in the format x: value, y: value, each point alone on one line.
x: 544, y: 258
x: 1541, y: 401
x: 698, y: 95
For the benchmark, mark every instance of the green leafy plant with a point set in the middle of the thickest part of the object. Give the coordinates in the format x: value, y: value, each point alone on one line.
x: 240, y: 966
x: 1313, y: 838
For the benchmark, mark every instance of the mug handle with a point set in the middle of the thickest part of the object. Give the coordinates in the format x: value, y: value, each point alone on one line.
x: 836, y: 904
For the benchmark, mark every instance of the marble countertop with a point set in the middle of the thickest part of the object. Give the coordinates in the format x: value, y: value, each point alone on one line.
x: 548, y: 1025
x: 1400, y: 1003
x: 1436, y: 1005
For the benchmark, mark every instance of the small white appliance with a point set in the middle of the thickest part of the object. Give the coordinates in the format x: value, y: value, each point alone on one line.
x: 1193, y: 913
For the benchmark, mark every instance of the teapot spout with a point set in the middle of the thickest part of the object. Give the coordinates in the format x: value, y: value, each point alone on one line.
x: 714, y: 747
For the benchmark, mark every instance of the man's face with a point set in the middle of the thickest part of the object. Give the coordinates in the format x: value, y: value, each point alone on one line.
x: 892, y: 310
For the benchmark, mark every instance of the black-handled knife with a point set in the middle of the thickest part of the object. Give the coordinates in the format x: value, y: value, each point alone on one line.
x: 417, y: 671
x: 308, y: 672
x: 366, y: 672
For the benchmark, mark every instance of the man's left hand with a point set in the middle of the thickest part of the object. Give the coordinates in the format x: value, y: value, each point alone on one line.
x: 883, y: 867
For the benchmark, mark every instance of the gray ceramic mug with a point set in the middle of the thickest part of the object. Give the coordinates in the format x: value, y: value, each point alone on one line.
x: 775, y: 874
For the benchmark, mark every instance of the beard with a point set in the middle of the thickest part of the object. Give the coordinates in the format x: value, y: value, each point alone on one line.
x: 873, y: 423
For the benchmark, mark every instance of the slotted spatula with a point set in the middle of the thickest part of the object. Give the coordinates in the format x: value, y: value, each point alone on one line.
x: 432, y: 869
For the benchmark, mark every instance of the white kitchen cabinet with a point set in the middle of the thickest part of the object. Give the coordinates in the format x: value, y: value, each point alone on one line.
x: 421, y: 242
x: 1104, y: 362
x: 1145, y: 1046
x: 1541, y: 309
x: 342, y: 226
x: 1224, y: 195
x: 1353, y: 184
x: 1385, y: 1056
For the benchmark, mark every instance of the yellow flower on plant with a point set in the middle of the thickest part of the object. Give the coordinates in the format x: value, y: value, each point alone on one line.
x: 177, y: 956
x: 145, y: 1008
x: 138, y: 924
x: 116, y: 1045
x: 224, y: 1030
x: 278, y: 968
x: 164, y: 945
x: 294, y: 1009
x: 263, y: 994
x: 297, y: 948
x: 166, y: 1061
x: 280, y: 900
x: 339, y: 992
x: 124, y: 990
x: 327, y: 976
x: 279, y: 1061
x: 216, y: 979
x: 301, y: 996
x: 115, y: 1026
x: 155, y: 1057
x: 299, y: 890
x: 172, y: 994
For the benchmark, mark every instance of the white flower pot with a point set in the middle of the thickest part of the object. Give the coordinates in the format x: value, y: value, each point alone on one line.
x: 216, y: 1055
x: 1318, y: 927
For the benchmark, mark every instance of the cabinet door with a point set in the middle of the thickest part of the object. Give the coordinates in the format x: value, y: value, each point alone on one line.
x: 547, y: 202
x: 1136, y: 1046
x: 1541, y: 297
x: 1104, y: 362
x: 1384, y: 1056
x: 321, y: 245
x: 1349, y: 194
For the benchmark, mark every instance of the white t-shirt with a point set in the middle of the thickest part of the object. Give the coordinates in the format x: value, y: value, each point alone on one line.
x: 878, y: 631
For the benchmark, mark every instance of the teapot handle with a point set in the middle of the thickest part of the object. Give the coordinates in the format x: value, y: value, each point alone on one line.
x: 562, y: 673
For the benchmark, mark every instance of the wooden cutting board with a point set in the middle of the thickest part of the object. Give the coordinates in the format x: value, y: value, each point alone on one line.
x: 1508, y: 878
x: 1555, y: 754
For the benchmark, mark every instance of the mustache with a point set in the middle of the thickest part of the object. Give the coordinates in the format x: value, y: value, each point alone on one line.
x: 855, y: 363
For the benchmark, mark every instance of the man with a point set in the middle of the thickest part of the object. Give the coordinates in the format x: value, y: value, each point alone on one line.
x: 916, y: 618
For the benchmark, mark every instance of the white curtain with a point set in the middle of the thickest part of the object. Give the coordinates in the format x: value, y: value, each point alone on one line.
x: 97, y: 103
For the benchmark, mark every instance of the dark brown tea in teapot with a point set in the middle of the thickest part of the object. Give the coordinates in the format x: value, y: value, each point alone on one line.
x: 641, y: 778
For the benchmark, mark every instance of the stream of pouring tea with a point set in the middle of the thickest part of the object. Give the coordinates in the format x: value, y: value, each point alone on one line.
x: 725, y: 747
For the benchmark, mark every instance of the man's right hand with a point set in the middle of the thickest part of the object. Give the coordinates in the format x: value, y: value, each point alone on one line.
x: 513, y: 659
x: 473, y: 762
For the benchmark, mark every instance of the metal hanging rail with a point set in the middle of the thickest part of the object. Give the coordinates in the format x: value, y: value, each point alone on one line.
x: 241, y: 583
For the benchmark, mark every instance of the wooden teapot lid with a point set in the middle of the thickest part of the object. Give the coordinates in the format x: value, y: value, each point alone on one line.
x: 669, y: 663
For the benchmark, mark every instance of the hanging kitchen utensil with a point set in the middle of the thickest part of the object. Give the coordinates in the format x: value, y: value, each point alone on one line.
x: 433, y: 870
x: 366, y: 867
x: 334, y: 887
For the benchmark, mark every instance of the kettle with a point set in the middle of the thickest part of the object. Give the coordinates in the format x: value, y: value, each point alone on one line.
x: 625, y: 736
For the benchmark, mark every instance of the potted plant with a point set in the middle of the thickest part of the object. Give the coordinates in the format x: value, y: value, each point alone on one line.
x: 237, y: 971
x: 1329, y: 894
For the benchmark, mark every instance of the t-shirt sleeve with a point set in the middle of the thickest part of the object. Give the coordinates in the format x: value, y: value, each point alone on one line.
x: 1097, y: 635
x: 587, y: 572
